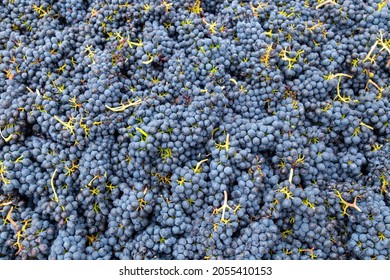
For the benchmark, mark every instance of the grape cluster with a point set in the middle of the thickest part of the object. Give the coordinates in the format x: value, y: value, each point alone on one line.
x: 194, y: 129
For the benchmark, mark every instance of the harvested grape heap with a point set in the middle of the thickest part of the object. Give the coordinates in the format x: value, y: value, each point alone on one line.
x: 194, y: 129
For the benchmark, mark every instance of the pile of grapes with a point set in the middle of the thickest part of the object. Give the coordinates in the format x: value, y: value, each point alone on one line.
x: 194, y: 129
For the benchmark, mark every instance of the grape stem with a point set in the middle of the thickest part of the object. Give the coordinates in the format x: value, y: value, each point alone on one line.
x: 52, y: 186
x: 8, y: 217
x: 290, y: 177
x: 326, y: 3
